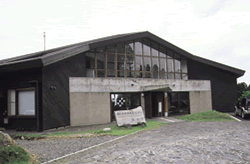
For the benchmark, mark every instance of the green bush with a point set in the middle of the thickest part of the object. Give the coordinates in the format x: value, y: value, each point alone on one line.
x: 13, y: 154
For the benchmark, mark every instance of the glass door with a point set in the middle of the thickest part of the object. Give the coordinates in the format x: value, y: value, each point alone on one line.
x: 179, y: 103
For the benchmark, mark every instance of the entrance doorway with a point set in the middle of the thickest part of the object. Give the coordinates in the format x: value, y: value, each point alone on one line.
x: 179, y: 103
x: 154, y: 104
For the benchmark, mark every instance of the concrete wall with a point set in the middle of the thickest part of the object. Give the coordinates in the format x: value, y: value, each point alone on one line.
x: 89, y: 108
x: 84, y: 84
x: 200, y: 101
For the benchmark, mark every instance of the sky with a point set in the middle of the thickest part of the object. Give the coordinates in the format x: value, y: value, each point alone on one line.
x: 217, y: 30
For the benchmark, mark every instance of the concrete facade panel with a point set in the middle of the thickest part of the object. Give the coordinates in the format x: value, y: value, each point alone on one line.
x: 83, y: 84
x: 200, y: 101
x: 89, y: 108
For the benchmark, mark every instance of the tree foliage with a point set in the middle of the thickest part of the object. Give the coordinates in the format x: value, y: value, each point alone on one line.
x: 243, y: 90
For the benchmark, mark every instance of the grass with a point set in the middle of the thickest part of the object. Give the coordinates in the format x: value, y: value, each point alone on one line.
x: 120, y: 131
x: 207, y: 116
x: 13, y: 154
x: 115, y: 130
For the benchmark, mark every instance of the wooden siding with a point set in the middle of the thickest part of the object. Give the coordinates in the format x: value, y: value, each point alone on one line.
x: 223, y: 84
x: 56, y: 112
x: 16, y: 80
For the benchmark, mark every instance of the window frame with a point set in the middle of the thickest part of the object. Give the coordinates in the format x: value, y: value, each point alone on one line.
x: 16, y: 102
x: 170, y: 55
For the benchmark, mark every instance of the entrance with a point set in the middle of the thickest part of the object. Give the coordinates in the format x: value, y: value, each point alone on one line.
x: 154, y: 104
x: 3, y: 107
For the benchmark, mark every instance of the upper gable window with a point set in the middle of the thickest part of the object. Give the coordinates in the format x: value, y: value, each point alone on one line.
x: 139, y: 58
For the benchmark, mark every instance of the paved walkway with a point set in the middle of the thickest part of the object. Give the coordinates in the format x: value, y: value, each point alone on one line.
x: 180, y: 143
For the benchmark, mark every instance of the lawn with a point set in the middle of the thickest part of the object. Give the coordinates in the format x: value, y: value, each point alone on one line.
x: 207, y: 116
x: 115, y: 130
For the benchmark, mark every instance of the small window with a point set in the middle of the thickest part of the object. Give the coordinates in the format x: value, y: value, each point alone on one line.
x: 26, y: 102
x: 11, y: 102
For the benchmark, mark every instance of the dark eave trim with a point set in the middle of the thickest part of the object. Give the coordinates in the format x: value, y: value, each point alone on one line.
x: 63, y: 54
x: 21, y: 65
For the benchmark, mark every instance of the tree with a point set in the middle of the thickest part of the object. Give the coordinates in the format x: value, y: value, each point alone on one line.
x: 242, y: 87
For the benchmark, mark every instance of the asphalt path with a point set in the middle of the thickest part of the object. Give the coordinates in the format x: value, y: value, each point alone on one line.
x: 180, y: 143
x: 240, y: 118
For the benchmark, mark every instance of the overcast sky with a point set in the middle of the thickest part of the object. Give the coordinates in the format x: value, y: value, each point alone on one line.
x: 214, y: 29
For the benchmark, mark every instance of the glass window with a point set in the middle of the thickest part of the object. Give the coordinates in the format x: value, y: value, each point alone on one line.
x: 130, y: 74
x: 184, y: 76
x: 111, y: 73
x: 184, y: 66
x: 170, y: 54
x: 146, y: 50
x: 130, y: 62
x: 120, y: 48
x: 120, y: 74
x: 111, y: 48
x: 154, y: 49
x: 170, y: 75
x: 138, y: 48
x: 129, y: 48
x: 90, y: 73
x: 120, y: 62
x: 156, y: 75
x: 111, y: 61
x: 139, y: 74
x: 147, y: 63
x: 170, y: 65
x: 138, y: 60
x: 147, y: 75
x: 177, y: 76
x: 177, y: 65
x: 155, y: 63
x: 135, y: 100
x: 101, y: 73
x: 90, y: 60
x: 101, y: 60
x: 163, y: 75
x: 118, y: 101
x: 26, y: 102
x: 163, y: 64
x: 162, y: 52
x: 11, y: 102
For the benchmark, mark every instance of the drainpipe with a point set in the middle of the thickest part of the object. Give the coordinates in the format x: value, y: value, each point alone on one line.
x: 37, y: 104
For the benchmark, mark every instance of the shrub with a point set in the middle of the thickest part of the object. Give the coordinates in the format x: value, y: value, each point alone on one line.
x: 13, y: 154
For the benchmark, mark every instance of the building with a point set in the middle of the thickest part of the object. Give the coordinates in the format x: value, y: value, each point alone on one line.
x: 84, y: 83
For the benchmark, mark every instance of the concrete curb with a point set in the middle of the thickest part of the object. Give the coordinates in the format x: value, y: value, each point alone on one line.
x: 235, y: 118
x: 89, y: 148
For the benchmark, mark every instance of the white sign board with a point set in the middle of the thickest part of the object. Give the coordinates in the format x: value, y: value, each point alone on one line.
x: 132, y: 117
x: 159, y: 107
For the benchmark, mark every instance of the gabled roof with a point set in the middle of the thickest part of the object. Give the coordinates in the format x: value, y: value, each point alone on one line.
x: 44, y: 58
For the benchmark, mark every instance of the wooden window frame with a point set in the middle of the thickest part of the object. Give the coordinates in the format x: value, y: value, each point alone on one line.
x: 143, y: 71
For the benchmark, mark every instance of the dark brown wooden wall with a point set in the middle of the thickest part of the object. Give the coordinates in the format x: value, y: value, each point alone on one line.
x: 56, y: 112
x: 16, y: 80
x: 223, y: 84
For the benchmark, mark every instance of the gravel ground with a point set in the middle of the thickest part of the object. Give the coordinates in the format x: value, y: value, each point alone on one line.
x: 51, y: 149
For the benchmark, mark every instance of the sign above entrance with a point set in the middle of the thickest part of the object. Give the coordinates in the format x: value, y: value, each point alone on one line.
x: 132, y: 117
